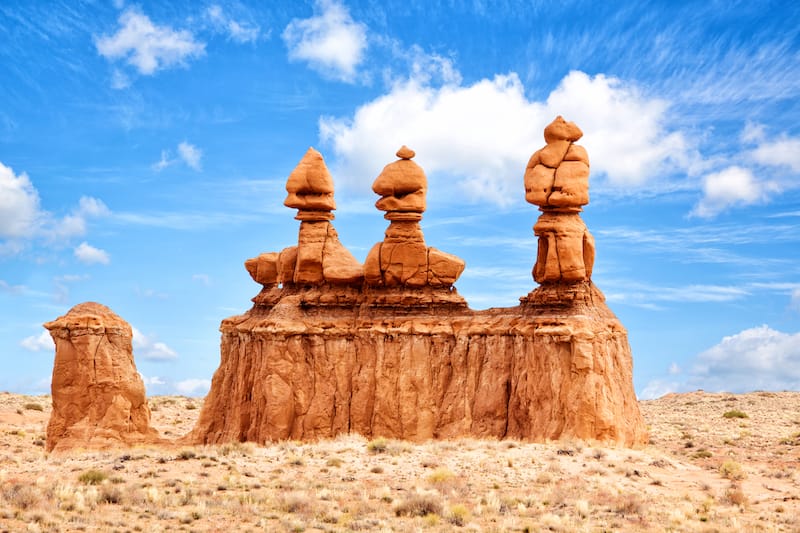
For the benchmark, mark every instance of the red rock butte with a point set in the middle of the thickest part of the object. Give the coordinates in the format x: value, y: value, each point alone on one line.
x: 390, y: 348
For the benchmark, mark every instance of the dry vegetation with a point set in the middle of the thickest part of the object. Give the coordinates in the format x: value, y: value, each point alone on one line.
x: 702, y: 471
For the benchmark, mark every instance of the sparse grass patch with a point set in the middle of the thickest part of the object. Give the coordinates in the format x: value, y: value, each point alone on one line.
x: 734, y: 495
x: 92, y: 477
x: 731, y: 470
x: 419, y: 504
x: 457, y: 515
x: 33, y: 406
x: 735, y: 413
x: 379, y: 445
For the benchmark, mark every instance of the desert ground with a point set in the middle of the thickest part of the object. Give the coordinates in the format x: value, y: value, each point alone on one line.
x: 715, y: 462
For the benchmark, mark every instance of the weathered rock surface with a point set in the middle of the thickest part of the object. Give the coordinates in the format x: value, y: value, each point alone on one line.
x: 399, y: 354
x: 98, y: 396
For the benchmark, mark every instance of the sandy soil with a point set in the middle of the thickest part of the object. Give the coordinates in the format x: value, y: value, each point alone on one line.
x: 715, y: 462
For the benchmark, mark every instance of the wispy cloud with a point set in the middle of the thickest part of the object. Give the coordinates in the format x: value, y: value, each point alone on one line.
x: 187, y: 153
x: 330, y: 41
x: 86, y: 253
x: 151, y: 349
x: 36, y: 343
x: 193, y: 387
x: 147, y: 46
x: 236, y: 30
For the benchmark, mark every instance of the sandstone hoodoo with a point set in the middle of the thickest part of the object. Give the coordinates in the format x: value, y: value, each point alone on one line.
x: 392, y: 349
x: 98, y: 396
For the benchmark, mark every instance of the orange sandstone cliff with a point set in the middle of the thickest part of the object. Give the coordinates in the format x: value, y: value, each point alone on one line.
x: 391, y: 349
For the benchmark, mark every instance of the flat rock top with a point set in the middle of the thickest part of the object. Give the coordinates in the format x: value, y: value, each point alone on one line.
x: 88, y: 315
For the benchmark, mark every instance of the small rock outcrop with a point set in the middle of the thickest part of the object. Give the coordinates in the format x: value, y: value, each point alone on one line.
x: 393, y: 350
x: 98, y: 396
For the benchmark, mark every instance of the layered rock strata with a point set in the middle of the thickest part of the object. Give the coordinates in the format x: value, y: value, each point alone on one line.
x: 98, y: 396
x: 401, y: 355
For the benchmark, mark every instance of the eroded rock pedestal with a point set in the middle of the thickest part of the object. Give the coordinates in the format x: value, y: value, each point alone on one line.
x: 98, y: 396
x: 399, y: 354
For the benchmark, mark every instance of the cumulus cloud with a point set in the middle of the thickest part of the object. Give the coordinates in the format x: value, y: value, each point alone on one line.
x: 149, y: 348
x: 781, y: 152
x: 237, y: 31
x: 86, y: 253
x: 330, y: 41
x: 758, y: 358
x: 482, y: 134
x: 733, y: 186
x: 188, y: 153
x: 193, y: 387
x: 147, y: 46
x: 23, y: 219
x: 37, y: 343
x: 20, y: 215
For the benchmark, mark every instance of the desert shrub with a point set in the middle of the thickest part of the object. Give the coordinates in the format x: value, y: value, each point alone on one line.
x: 92, y: 477
x: 379, y: 445
x: 629, y: 504
x: 457, y: 515
x: 735, y: 413
x: 734, y: 495
x: 110, y: 494
x: 33, y: 407
x: 419, y: 505
x: 731, y: 470
x: 185, y: 455
x: 440, y: 475
x: 20, y: 496
x: 702, y: 453
x: 334, y: 462
x: 295, y: 502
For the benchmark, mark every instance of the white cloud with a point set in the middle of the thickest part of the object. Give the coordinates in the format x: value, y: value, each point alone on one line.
x: 151, y: 349
x: 190, y: 154
x: 146, y: 46
x: 20, y: 216
x: 37, y: 343
x: 784, y: 151
x: 330, y: 41
x: 153, y: 380
x: 119, y: 80
x: 753, y: 359
x: 193, y: 387
x: 733, y: 186
x: 238, y: 31
x: 658, y: 388
x: 86, y: 253
x: 484, y: 133
x: 674, y: 369
x: 758, y: 358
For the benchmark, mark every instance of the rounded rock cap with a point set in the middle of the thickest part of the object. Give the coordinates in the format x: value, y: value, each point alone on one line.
x: 561, y: 130
x: 90, y: 315
x: 401, y: 177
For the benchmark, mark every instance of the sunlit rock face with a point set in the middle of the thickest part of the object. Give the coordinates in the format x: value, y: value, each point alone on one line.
x: 391, y: 349
x: 98, y: 396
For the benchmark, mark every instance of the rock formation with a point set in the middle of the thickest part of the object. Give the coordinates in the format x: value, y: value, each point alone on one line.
x: 98, y: 396
x: 399, y: 353
x: 403, y: 259
x: 557, y: 180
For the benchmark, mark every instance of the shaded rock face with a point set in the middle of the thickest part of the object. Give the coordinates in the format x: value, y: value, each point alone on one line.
x: 98, y: 396
x: 398, y: 353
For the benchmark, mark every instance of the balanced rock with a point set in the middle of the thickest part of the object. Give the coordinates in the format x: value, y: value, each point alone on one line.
x: 403, y: 259
x: 98, y: 396
x: 558, y: 174
x: 319, y: 256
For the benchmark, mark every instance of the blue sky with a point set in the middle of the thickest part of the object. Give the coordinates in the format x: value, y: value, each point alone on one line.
x: 144, y: 149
